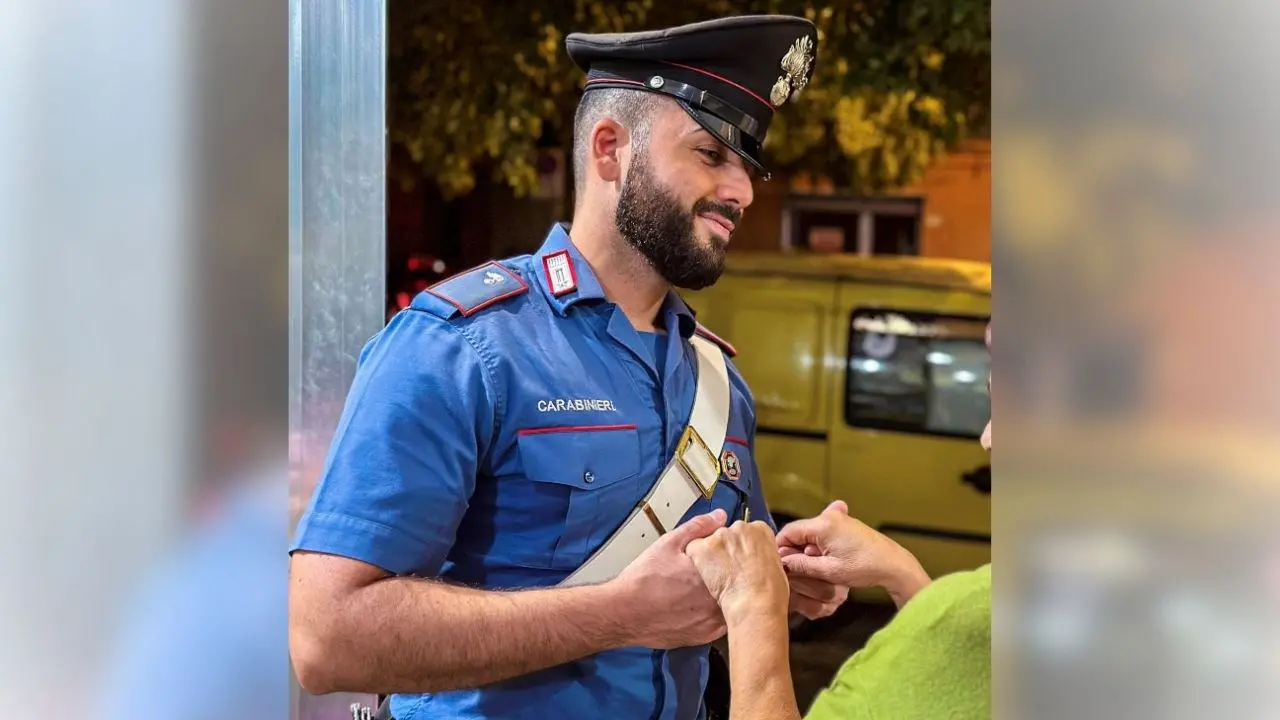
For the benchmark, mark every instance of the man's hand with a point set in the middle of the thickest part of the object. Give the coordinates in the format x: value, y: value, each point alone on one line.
x: 741, y: 568
x: 662, y: 595
x: 841, y: 550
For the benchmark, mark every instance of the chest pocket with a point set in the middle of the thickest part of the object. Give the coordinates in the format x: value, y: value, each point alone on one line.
x: 592, y: 472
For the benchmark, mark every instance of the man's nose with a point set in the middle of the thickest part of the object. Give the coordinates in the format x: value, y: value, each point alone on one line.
x: 735, y: 188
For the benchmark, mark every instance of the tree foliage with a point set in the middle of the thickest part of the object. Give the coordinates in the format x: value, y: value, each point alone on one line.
x: 475, y: 90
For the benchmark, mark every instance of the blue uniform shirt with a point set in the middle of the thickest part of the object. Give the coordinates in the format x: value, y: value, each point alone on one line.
x: 497, y: 432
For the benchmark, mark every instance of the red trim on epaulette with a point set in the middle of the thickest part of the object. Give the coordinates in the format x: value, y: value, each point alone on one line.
x: 468, y: 312
x: 724, y: 344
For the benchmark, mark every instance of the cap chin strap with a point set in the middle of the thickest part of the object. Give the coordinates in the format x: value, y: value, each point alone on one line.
x: 736, y: 129
x: 690, y: 476
x: 703, y: 100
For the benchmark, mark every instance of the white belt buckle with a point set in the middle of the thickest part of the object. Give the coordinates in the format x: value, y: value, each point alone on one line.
x: 687, y: 441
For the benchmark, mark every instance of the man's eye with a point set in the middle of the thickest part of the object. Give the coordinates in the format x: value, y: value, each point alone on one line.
x: 714, y: 156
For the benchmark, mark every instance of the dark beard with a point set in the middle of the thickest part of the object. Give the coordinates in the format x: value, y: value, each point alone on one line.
x: 653, y: 222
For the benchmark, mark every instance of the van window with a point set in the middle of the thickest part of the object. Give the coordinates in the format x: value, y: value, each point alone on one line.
x: 917, y: 372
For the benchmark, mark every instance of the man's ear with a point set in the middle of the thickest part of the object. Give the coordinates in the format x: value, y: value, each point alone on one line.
x: 607, y: 140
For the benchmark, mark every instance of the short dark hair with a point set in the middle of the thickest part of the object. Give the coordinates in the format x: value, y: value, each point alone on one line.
x: 633, y: 109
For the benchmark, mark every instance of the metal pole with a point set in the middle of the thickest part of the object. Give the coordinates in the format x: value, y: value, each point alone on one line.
x: 337, y: 235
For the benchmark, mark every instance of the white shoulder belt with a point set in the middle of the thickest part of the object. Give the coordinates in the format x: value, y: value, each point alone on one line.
x: 691, y: 474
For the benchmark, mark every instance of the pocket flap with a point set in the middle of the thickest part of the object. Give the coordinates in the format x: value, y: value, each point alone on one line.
x: 584, y: 457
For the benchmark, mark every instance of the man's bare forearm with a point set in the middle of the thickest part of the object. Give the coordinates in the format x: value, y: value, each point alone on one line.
x: 407, y: 635
x: 760, y: 669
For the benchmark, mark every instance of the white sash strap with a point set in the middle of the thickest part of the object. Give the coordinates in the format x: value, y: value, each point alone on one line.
x: 691, y: 474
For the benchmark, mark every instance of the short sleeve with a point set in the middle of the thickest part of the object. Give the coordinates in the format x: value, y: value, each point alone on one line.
x: 403, y: 461
x: 932, y: 660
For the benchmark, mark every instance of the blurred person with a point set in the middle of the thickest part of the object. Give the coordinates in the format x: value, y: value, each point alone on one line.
x: 933, y: 660
x: 499, y: 529
x: 203, y: 638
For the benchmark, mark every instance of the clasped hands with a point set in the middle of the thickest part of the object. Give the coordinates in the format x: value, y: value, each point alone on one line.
x: 717, y: 575
x: 808, y: 567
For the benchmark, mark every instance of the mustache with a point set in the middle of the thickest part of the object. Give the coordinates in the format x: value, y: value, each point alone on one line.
x: 728, y: 212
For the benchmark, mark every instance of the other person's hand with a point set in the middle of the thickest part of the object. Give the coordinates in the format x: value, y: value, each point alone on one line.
x: 841, y: 550
x: 814, y: 598
x: 742, y: 570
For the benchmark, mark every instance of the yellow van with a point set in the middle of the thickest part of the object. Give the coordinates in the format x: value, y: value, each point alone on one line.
x: 870, y: 381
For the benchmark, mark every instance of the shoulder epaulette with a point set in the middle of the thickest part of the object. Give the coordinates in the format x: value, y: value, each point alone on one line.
x: 471, y: 291
x: 724, y: 344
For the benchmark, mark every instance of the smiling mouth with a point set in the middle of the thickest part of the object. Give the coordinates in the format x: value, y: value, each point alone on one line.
x: 719, y: 223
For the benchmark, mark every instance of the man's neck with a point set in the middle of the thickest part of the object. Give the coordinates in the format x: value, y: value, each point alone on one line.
x: 624, y: 275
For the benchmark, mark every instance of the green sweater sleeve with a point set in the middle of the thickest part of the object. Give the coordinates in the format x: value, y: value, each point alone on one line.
x: 933, y: 660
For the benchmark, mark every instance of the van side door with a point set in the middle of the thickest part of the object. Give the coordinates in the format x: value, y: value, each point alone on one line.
x: 912, y: 402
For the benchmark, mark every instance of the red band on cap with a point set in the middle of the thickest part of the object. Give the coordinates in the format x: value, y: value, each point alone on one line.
x: 724, y: 80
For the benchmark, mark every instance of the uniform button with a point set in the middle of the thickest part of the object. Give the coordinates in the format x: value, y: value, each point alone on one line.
x: 588, y: 477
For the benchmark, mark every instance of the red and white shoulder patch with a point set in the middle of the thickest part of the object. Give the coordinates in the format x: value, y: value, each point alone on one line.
x: 561, y: 277
x: 724, y: 344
